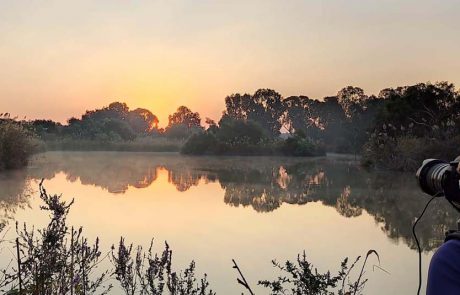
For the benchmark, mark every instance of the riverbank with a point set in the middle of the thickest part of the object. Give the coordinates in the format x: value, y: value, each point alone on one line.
x: 146, y: 144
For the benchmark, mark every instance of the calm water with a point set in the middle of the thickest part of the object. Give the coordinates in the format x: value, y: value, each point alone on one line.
x: 252, y: 209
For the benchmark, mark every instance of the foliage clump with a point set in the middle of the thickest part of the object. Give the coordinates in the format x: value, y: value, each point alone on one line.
x: 300, y: 146
x: 146, y: 273
x: 301, y: 278
x: 416, y: 122
x: 243, y: 137
x: 17, y: 144
x: 56, y: 259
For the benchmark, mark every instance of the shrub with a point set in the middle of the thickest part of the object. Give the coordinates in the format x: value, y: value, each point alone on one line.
x: 140, y: 272
x: 16, y: 144
x: 56, y: 260
x: 233, y: 131
x: 406, y: 153
x: 301, y: 278
x: 204, y: 143
x: 301, y: 147
x: 181, y: 131
x: 247, y: 138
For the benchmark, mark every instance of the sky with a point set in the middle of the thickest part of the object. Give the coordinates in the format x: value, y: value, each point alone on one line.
x: 60, y: 58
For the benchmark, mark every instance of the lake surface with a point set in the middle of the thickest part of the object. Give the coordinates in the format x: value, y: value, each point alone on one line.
x: 252, y: 209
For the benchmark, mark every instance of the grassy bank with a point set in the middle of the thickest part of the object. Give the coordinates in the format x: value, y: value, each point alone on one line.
x: 145, y: 144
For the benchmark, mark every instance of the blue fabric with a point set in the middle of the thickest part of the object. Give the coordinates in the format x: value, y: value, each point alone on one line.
x: 444, y: 271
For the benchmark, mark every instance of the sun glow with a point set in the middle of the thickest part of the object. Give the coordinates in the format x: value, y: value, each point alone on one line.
x: 59, y: 59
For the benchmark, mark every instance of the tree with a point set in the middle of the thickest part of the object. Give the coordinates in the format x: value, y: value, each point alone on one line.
x: 351, y: 99
x: 184, y: 116
x: 301, y: 115
x: 142, y: 121
x: 422, y: 110
x: 115, y: 110
x: 237, y: 106
x: 183, y: 123
x: 264, y: 107
x: 238, y: 131
x: 332, y: 120
x: 267, y: 110
x: 117, y: 129
x: 212, y: 125
x: 119, y: 107
x: 411, y: 124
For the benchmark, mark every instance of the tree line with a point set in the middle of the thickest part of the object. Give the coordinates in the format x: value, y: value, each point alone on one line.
x: 395, y: 129
x: 118, y: 122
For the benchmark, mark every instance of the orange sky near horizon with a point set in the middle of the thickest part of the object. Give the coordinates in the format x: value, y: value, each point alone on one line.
x: 60, y: 58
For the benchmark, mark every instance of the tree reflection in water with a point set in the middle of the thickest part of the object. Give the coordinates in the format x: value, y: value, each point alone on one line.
x: 14, y: 192
x: 263, y: 183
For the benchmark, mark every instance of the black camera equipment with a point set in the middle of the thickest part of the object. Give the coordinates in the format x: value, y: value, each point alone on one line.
x: 438, y: 178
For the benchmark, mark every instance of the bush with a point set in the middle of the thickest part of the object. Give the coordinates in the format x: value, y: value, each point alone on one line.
x: 301, y: 278
x: 16, y: 144
x: 233, y: 131
x: 247, y: 138
x: 204, y: 143
x: 54, y: 259
x: 301, y: 147
x: 181, y: 131
x: 406, y: 153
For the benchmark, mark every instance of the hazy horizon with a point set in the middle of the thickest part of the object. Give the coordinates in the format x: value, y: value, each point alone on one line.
x: 58, y: 59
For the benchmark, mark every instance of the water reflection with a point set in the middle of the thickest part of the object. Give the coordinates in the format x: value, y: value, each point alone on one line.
x: 263, y: 184
x: 14, y: 192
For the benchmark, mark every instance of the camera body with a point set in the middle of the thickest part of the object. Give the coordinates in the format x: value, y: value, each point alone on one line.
x: 437, y: 176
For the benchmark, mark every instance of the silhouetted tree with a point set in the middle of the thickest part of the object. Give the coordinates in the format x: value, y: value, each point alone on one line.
x: 237, y: 131
x: 264, y: 107
x: 411, y: 125
x: 186, y: 117
x: 422, y: 109
x: 183, y: 123
x: 352, y: 99
x: 46, y: 127
x: 237, y: 106
x: 302, y: 114
x: 142, y: 121
x: 332, y: 121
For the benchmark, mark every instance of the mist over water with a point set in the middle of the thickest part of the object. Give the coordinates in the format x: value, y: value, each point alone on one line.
x: 253, y: 209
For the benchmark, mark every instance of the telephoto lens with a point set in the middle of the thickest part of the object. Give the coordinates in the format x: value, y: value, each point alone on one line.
x: 437, y: 176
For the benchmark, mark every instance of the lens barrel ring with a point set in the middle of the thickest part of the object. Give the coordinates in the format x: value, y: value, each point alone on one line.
x: 423, y: 177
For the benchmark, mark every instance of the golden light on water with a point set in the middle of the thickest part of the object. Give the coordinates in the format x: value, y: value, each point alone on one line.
x: 214, y: 209
x: 198, y: 225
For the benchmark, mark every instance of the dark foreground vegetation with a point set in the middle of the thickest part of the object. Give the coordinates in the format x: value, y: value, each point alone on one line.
x: 16, y: 143
x: 60, y: 260
x: 394, y: 130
